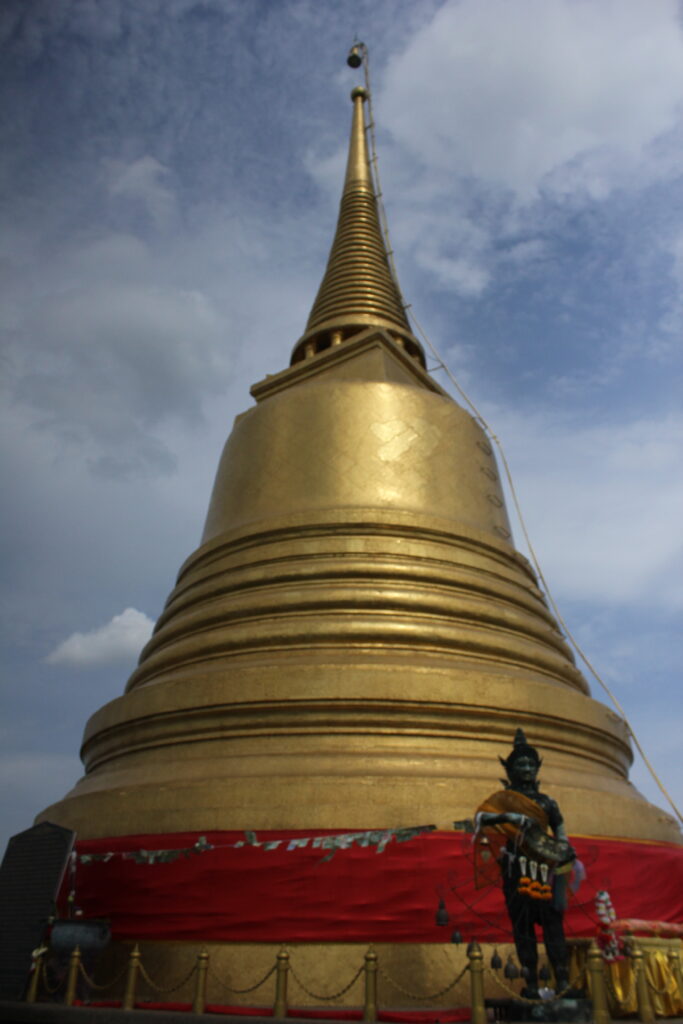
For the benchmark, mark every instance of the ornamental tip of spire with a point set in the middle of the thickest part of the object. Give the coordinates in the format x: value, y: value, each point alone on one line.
x: 356, y: 54
x: 358, y: 289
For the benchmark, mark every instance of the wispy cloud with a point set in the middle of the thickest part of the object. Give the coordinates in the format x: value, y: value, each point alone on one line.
x: 116, y: 642
x: 587, y: 491
x: 515, y: 93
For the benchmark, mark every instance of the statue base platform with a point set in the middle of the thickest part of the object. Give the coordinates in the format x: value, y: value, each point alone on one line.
x: 555, y: 1010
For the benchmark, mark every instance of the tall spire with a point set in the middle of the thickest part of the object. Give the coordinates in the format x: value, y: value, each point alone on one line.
x: 358, y: 290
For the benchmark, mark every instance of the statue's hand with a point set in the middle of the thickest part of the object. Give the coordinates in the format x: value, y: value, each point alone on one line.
x: 570, y: 852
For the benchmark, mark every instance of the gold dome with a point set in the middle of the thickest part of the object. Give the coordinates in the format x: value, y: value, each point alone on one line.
x: 356, y: 636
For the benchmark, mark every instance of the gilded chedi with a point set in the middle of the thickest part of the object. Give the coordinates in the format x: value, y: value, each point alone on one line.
x: 355, y: 637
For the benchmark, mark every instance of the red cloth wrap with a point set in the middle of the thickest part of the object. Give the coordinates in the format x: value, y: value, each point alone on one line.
x: 359, y: 895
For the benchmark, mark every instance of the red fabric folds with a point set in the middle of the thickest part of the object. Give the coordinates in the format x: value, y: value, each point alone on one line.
x: 252, y: 893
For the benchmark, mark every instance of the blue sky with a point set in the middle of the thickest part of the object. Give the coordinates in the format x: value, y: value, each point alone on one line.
x: 170, y: 176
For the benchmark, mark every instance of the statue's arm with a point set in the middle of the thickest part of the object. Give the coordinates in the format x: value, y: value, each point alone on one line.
x: 559, y: 830
x: 486, y: 819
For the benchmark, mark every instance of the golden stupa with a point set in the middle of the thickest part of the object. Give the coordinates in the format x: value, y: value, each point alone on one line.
x: 356, y: 638
x: 356, y: 613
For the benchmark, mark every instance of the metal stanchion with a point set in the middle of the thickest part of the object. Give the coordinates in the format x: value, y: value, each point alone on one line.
x: 370, y: 1007
x: 645, y: 1011
x: 131, y: 979
x: 32, y: 993
x: 280, y: 1007
x: 199, y: 1001
x: 596, y: 973
x: 72, y: 979
x: 476, y: 983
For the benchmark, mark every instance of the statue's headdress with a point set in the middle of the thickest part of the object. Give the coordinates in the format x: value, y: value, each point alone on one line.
x: 520, y: 748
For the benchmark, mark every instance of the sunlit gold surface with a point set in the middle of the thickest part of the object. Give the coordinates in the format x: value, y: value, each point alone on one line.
x: 355, y: 639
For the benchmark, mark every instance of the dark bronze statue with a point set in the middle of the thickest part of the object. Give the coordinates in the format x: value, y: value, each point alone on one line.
x: 522, y: 831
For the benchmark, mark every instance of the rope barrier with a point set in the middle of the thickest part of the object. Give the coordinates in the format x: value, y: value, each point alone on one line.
x: 487, y: 429
x: 336, y: 995
x: 422, y: 996
x: 242, y: 991
x: 161, y: 989
x: 578, y: 984
x: 108, y: 984
x: 51, y: 991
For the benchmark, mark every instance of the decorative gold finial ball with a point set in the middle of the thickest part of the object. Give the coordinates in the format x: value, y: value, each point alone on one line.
x: 359, y: 91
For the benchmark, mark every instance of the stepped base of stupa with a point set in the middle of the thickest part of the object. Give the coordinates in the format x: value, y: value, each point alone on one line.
x: 331, y: 758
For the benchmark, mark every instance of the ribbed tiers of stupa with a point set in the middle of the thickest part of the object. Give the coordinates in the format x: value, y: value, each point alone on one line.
x: 354, y: 640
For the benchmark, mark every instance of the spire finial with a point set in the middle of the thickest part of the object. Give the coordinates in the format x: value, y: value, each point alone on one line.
x: 358, y: 166
x: 356, y: 54
x: 358, y: 290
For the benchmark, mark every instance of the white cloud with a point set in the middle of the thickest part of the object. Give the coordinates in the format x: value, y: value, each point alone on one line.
x: 108, y: 364
x: 512, y: 92
x: 143, y: 182
x: 602, y: 504
x: 119, y: 640
x: 671, y: 321
x: 494, y: 111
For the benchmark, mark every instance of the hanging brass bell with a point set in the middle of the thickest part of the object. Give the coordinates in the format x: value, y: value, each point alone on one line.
x: 442, y: 917
x: 355, y: 57
x: 511, y: 970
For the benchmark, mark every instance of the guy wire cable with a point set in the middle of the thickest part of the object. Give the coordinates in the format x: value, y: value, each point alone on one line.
x: 441, y: 365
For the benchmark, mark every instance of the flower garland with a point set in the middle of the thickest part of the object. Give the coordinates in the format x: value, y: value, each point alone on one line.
x: 607, y: 939
x: 379, y: 838
x: 535, y: 889
x: 529, y: 885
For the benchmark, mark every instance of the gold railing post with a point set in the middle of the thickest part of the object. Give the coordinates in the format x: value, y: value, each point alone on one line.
x: 370, y: 1007
x: 280, y: 1007
x: 131, y: 979
x: 72, y: 978
x: 199, y: 1001
x: 674, y: 958
x: 32, y: 993
x: 596, y: 972
x: 476, y: 969
x: 645, y: 1012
